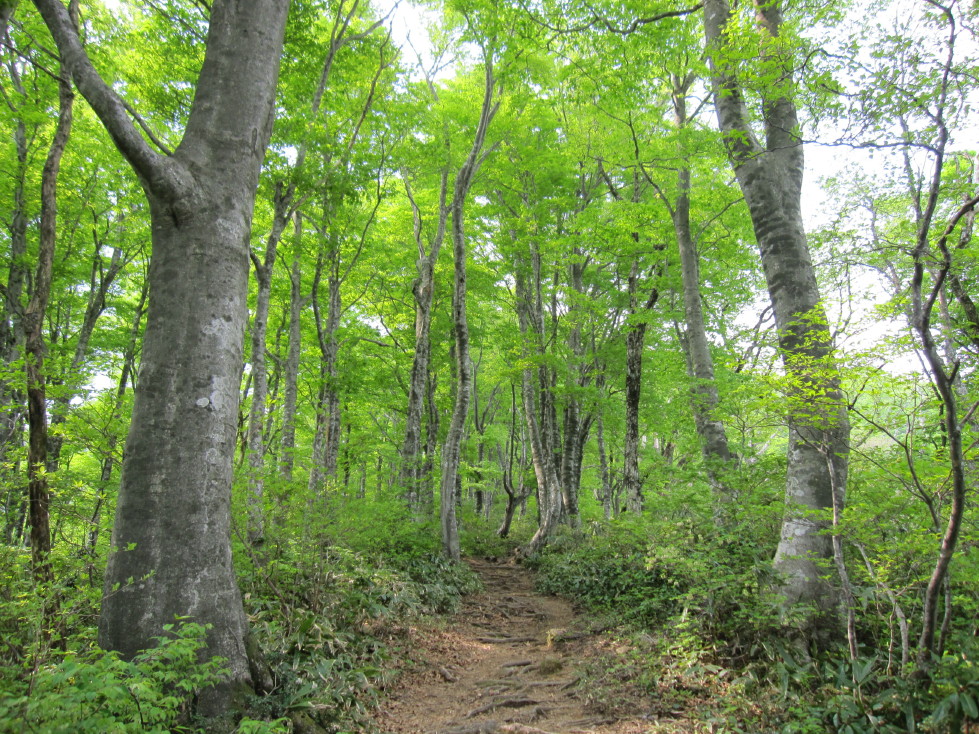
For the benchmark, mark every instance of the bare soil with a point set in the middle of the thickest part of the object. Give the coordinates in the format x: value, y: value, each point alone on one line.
x: 509, y: 663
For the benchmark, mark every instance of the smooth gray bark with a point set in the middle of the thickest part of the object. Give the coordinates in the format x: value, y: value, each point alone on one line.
x: 291, y: 376
x: 770, y: 176
x: 35, y: 348
x: 256, y: 411
x: 172, y: 533
x: 460, y: 324
x: 549, y: 497
x: 703, y: 391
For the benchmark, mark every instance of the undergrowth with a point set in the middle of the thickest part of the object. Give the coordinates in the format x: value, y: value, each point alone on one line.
x: 327, y: 610
x: 328, y: 595
x: 696, y: 633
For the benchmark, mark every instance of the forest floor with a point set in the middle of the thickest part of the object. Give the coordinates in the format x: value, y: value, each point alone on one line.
x: 514, y: 661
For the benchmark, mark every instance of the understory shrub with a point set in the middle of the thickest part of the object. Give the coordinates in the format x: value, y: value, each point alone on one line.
x: 325, y: 613
x: 95, y: 691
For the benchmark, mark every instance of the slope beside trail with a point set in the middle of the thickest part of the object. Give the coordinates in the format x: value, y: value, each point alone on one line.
x: 508, y: 663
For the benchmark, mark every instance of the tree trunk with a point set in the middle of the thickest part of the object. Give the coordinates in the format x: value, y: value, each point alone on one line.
x: 549, y: 497
x: 576, y: 430
x: 460, y: 324
x: 606, y: 491
x: 770, y: 177
x: 172, y: 533
x: 326, y: 441
x: 291, y: 391
x: 703, y: 390
x: 412, y: 464
x: 635, y: 342
x: 35, y: 348
x: 11, y: 324
x: 256, y: 413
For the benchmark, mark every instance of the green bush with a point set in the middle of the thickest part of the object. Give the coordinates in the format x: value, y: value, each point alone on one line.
x: 610, y: 573
x: 324, y: 613
x: 97, y: 692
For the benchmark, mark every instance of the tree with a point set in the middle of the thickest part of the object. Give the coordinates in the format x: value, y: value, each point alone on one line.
x: 33, y: 319
x: 912, y: 100
x: 172, y: 528
x: 460, y: 192
x: 770, y: 176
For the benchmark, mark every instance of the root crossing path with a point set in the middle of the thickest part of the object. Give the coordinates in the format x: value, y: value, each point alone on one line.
x: 508, y: 663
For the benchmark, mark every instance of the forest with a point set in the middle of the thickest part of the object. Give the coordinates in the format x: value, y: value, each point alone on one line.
x: 320, y: 318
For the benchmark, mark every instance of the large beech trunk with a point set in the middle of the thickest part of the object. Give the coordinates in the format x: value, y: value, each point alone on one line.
x: 172, y: 533
x: 770, y: 176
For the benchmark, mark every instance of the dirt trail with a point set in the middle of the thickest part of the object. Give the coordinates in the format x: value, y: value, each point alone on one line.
x: 506, y: 664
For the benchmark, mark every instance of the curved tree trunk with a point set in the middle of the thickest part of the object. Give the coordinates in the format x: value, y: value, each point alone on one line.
x: 770, y: 177
x: 453, y: 439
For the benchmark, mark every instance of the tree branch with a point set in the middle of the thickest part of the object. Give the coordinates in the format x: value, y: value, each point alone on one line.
x: 156, y: 171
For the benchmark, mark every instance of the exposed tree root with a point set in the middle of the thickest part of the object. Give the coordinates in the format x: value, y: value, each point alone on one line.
x: 510, y: 703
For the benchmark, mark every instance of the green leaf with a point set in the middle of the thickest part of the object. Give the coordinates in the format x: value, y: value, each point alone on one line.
x: 968, y: 704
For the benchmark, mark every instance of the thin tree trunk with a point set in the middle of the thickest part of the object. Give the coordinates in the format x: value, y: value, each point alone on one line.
x: 412, y: 465
x: 38, y: 494
x: 256, y: 414
x: 425, y: 501
x: 704, y: 396
x: 12, y: 407
x: 922, y: 309
x: 326, y: 440
x: 549, y: 496
x: 606, y: 490
x: 109, y: 458
x: 635, y: 342
x: 453, y: 439
x: 291, y: 392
